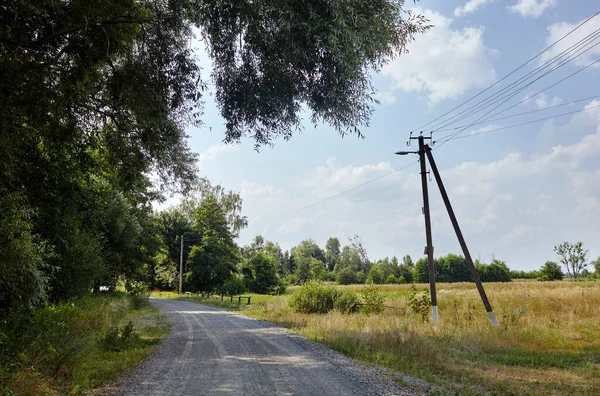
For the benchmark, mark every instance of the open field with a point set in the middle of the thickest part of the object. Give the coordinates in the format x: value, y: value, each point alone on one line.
x: 548, y: 341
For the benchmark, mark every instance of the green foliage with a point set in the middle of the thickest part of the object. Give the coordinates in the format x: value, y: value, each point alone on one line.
x: 454, y: 268
x: 230, y: 203
x: 596, y: 265
x: 232, y: 286
x: 375, y: 276
x: 524, y: 274
x: 372, y: 300
x: 573, y: 257
x: 23, y: 280
x: 263, y: 274
x: 332, y: 253
x: 119, y: 339
x: 346, y: 277
x: 310, y: 52
x: 346, y: 302
x: 421, y: 271
x: 314, y: 297
x: 419, y: 303
x: 391, y: 279
x: 212, y: 260
x: 361, y: 277
x: 302, y: 273
x: 496, y: 271
x: 550, y: 271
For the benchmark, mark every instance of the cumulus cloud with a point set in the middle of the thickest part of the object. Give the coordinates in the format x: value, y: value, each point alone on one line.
x: 470, y: 6
x: 558, y: 30
x: 516, y: 207
x: 531, y: 8
x: 443, y: 63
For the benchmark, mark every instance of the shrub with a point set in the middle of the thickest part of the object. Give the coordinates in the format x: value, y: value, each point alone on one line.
x: 314, y: 297
x: 373, y: 300
x: 346, y: 302
x: 419, y: 304
x: 391, y: 279
x: 550, y: 271
x: 346, y: 277
x: 119, y: 339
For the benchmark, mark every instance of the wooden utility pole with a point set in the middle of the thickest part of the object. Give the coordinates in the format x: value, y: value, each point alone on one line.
x: 459, y: 235
x: 429, y: 247
x: 181, y: 267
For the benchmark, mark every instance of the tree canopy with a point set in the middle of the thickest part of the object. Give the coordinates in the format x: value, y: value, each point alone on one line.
x: 95, y: 101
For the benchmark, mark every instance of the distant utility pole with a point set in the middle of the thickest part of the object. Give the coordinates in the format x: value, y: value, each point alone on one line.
x: 425, y: 150
x: 181, y: 267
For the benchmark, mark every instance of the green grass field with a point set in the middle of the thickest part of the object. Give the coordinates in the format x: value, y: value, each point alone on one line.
x: 548, y: 341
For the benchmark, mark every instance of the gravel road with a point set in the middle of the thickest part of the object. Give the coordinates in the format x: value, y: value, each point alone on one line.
x: 212, y: 351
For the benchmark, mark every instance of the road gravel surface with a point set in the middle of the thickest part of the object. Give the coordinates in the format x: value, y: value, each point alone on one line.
x: 212, y: 351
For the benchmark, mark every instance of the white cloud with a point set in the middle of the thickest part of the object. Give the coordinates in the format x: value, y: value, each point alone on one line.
x: 558, y: 30
x: 444, y: 63
x: 470, y: 6
x: 517, y: 207
x: 531, y: 8
x: 385, y: 97
x: 214, y: 151
x: 542, y: 101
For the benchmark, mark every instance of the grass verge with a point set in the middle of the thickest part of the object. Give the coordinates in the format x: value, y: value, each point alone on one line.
x: 74, y: 347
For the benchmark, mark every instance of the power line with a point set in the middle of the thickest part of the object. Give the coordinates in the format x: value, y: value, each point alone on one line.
x: 521, y: 114
x: 508, y: 75
x: 519, y: 124
x: 547, y: 88
x: 480, y: 118
x: 506, y: 93
x: 341, y: 193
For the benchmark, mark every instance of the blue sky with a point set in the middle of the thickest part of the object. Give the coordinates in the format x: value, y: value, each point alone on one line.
x: 517, y: 192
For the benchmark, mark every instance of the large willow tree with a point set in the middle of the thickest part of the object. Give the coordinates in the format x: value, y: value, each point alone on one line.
x: 95, y: 96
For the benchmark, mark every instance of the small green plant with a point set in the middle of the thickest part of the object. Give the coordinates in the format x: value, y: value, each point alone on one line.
x: 419, y: 304
x: 119, y: 339
x: 373, y: 300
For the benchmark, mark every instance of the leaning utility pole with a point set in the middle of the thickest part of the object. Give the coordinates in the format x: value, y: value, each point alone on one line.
x: 425, y: 150
x: 461, y: 239
x: 181, y: 267
x: 429, y: 247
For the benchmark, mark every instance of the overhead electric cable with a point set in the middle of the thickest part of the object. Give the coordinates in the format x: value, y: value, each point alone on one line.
x: 509, y: 74
x: 519, y: 124
x: 483, y: 116
x: 515, y: 88
x: 522, y: 114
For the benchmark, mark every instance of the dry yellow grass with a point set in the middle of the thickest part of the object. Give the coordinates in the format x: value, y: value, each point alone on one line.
x: 548, y: 341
